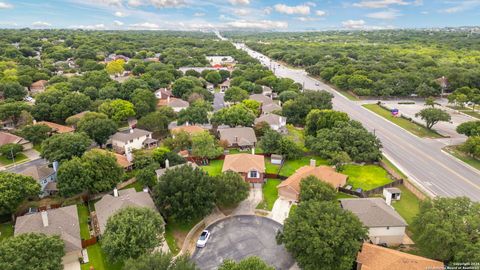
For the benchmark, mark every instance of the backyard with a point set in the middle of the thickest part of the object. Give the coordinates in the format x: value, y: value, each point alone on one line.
x: 214, y: 168
x: 270, y: 194
x: 6, y: 230
x: 297, y: 135
x: 290, y: 166
x: 408, y: 206
x: 83, y: 216
x: 97, y: 259
x: 366, y: 177
x: 271, y: 168
x: 412, y: 127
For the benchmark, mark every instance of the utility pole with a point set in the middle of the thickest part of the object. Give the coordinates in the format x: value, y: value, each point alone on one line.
x: 13, y: 157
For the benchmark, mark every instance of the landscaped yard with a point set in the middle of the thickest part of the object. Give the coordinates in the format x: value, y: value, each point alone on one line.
x: 98, y: 260
x: 290, y: 166
x: 408, y: 206
x: 269, y: 167
x: 83, y: 215
x: 214, y: 168
x: 20, y: 157
x: 456, y: 152
x: 270, y: 194
x: 6, y: 230
x: 412, y: 127
x: 175, y: 233
x: 366, y: 177
x: 341, y: 195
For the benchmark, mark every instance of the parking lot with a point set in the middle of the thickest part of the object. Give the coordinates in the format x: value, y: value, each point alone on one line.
x: 239, y: 237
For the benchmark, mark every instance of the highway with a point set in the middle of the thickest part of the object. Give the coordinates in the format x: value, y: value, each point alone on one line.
x: 422, y: 160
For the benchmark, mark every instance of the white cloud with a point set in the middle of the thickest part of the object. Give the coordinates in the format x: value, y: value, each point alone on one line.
x: 354, y: 24
x: 263, y: 24
x: 241, y: 12
x: 385, y: 3
x: 307, y: 19
x: 145, y: 25
x: 4, y: 5
x: 118, y: 23
x: 110, y: 2
x: 300, y: 9
x: 384, y: 15
x: 320, y: 13
x: 462, y: 6
x: 267, y: 10
x: 239, y: 2
x: 120, y: 14
x: 199, y: 14
x: 100, y: 26
x: 41, y: 24
x: 167, y: 3
x: 135, y: 3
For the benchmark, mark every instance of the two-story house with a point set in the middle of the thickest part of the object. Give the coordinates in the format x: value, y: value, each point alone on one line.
x: 124, y: 142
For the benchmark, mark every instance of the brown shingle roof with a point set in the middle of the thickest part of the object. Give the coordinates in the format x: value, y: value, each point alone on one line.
x: 39, y: 84
x: 61, y: 221
x: 37, y: 172
x: 56, y: 127
x: 6, y: 138
x: 174, y: 102
x: 271, y: 119
x: 373, y: 257
x: 243, y: 136
x: 261, y: 98
x: 243, y: 163
x: 122, y: 160
x: 189, y: 129
x: 270, y: 107
x: 324, y: 173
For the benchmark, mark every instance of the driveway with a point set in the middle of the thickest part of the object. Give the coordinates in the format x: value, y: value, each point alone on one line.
x: 280, y: 210
x: 218, y: 101
x: 247, y: 206
x: 240, y: 237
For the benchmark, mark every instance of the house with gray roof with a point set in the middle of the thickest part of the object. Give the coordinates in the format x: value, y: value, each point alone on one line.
x: 162, y: 171
x: 261, y: 98
x: 45, y: 176
x: 110, y: 204
x: 384, y: 224
x: 270, y: 108
x: 242, y: 137
x: 276, y: 122
x: 134, y: 138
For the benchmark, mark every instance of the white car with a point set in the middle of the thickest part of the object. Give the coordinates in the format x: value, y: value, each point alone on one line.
x: 317, y: 84
x: 202, y: 240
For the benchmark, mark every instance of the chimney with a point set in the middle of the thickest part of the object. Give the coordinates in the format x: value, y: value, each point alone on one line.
x: 167, y: 164
x: 236, y: 139
x: 55, y: 166
x: 313, y: 163
x: 187, y: 124
x: 115, y: 192
x: 44, y: 218
x: 253, y: 150
x: 131, y: 130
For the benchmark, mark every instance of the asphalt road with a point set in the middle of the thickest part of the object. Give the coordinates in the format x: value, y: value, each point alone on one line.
x: 421, y: 159
x: 23, y: 166
x: 240, y: 237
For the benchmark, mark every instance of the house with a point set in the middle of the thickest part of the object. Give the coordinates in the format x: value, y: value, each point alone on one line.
x: 261, y: 98
x: 220, y: 61
x: 73, y: 120
x: 162, y: 171
x: 243, y: 137
x: 56, y: 128
x: 122, y: 160
x: 38, y: 86
x: 270, y: 108
x: 267, y: 91
x: 45, y: 176
x: 250, y: 166
x: 7, y: 124
x: 373, y: 257
x: 191, y: 130
x: 110, y: 204
x: 225, y: 86
x: 276, y: 122
x: 163, y: 93
x: 210, y: 87
x: 175, y: 103
x: 290, y: 188
x: 62, y: 222
x: 385, y: 225
x: 6, y: 138
x: 134, y: 138
x: 391, y: 194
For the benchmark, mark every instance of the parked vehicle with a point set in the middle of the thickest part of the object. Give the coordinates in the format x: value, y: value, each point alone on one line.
x: 202, y: 240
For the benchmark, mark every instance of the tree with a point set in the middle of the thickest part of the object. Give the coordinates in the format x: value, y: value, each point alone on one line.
x: 231, y: 189
x: 245, y: 264
x: 197, y: 113
x: 157, y: 122
x: 36, y: 134
x: 159, y: 261
x: 425, y: 90
x: 236, y: 94
x: 118, y: 110
x: 104, y: 170
x: 237, y: 115
x: 97, y: 126
x: 296, y: 110
x: 312, y: 188
x: 11, y: 150
x: 32, y: 251
x: 115, y: 67
x: 147, y: 176
x: 64, y: 146
x: 430, y: 101
x: 214, y: 77
x: 185, y: 193
x: 14, y: 189
x: 73, y: 177
x: 471, y: 128
x: 447, y: 228
x: 339, y: 159
x: 185, y: 85
x: 253, y: 105
x: 273, y: 142
x: 431, y: 116
x: 472, y: 146
x: 318, y: 119
x: 287, y: 95
x: 204, y: 146
x: 131, y: 232
x: 13, y: 90
x: 144, y: 101
x: 13, y: 110
x: 332, y: 247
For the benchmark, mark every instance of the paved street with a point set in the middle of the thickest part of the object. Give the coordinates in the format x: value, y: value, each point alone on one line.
x: 218, y: 101
x: 421, y: 159
x: 23, y: 166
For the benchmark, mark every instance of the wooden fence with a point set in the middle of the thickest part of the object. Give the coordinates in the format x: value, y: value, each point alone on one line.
x: 89, y: 242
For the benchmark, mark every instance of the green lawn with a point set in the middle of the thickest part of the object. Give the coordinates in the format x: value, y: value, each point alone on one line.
x: 20, y: 157
x: 271, y: 168
x: 467, y: 110
x: 366, y: 177
x: 37, y: 147
x: 6, y: 231
x: 290, y: 166
x: 136, y: 185
x: 408, y: 206
x: 456, y: 152
x: 83, y: 215
x: 98, y: 260
x: 412, y: 127
x: 214, y: 168
x: 175, y: 233
x: 270, y: 194
x: 341, y: 195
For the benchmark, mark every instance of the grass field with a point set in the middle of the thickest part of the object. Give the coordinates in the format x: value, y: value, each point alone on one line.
x: 341, y: 195
x: 214, y: 168
x: 271, y: 168
x: 98, y: 260
x: 83, y: 215
x: 270, y: 194
x: 412, y: 127
x: 136, y: 185
x: 456, y: 152
x: 6, y: 231
x: 366, y: 177
x: 175, y: 233
x: 290, y: 166
x: 408, y: 206
x: 20, y: 157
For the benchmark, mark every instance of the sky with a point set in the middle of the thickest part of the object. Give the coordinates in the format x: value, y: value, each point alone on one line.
x: 264, y: 15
